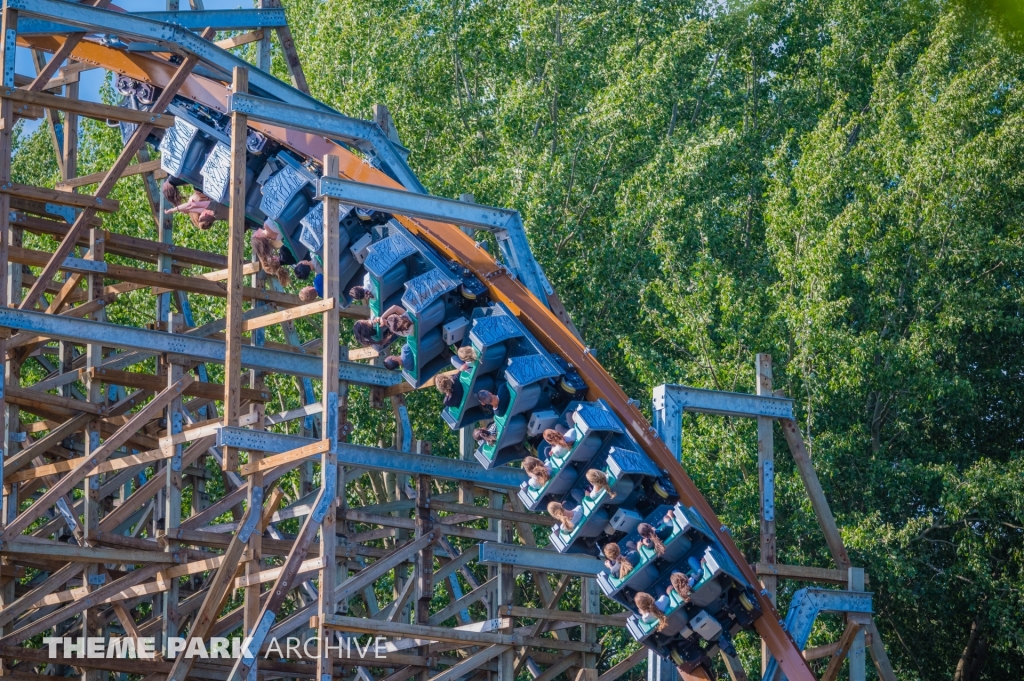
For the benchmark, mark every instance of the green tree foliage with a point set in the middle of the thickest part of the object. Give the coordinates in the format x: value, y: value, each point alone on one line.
x: 838, y: 183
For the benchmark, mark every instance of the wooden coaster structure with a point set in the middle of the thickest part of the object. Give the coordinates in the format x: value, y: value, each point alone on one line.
x: 89, y: 546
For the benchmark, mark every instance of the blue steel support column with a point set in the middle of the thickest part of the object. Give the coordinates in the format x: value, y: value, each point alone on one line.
x: 172, y: 486
x: 668, y: 421
x: 857, y: 655
x: 327, y: 603
x: 8, y: 37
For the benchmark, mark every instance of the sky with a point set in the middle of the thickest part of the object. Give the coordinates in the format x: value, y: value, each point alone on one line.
x: 92, y: 81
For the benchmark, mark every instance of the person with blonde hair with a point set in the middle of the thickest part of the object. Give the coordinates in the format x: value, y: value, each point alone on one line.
x: 567, y: 520
x: 560, y: 444
x: 649, y: 538
x: 619, y: 565
x: 598, y: 483
x: 270, y: 260
x: 451, y: 388
x: 649, y: 611
x: 464, y: 359
x: 200, y: 208
x: 680, y: 583
x: 538, y: 472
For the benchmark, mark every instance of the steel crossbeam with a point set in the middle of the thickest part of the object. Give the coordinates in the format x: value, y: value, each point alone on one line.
x: 202, y: 349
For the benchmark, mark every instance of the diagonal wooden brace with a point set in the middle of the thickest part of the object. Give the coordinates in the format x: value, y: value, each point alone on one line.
x: 219, y: 586
x: 132, y: 147
x: 83, y: 469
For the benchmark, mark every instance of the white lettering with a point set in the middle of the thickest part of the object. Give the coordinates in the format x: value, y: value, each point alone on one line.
x: 147, y: 648
x: 121, y: 648
x: 274, y: 646
x: 315, y: 653
x: 362, y: 651
x: 196, y: 648
x: 94, y: 647
x: 291, y: 644
x: 378, y: 642
x: 241, y: 648
x: 219, y: 647
x: 51, y: 642
x: 175, y: 645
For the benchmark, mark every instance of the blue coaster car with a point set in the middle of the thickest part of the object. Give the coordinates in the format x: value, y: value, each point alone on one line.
x: 625, y: 469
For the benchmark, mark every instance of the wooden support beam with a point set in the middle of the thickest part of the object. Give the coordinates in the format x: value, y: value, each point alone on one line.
x: 324, y: 504
x: 562, y: 665
x: 367, y: 626
x: 128, y: 152
x: 333, y: 390
x: 28, y: 398
x: 220, y: 275
x: 30, y: 546
x: 56, y: 580
x: 52, y: 84
x: 94, y: 598
x: 101, y: 112
x: 350, y: 587
x: 133, y: 379
x: 410, y: 524
x: 236, y: 249
x: 121, y: 244
x: 766, y: 485
x: 558, y: 615
x: 128, y: 666
x: 217, y: 591
x: 62, y: 53
x: 109, y: 466
x: 470, y: 664
x: 288, y: 457
x: 485, y: 590
x: 397, y: 607
x: 317, y: 307
x: 291, y: 56
x: 829, y: 649
x: 61, y: 198
x: 803, y: 573
x: 30, y: 211
x: 137, y: 169
x: 306, y: 568
x: 625, y: 665
x: 79, y: 473
x: 240, y: 39
x: 836, y: 663
x: 161, y: 281
x: 819, y: 503
x: 45, y: 443
x: 497, y: 513
x: 878, y: 654
x: 733, y: 666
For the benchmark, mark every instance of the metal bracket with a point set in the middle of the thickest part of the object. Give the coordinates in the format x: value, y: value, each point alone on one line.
x: 804, y: 609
